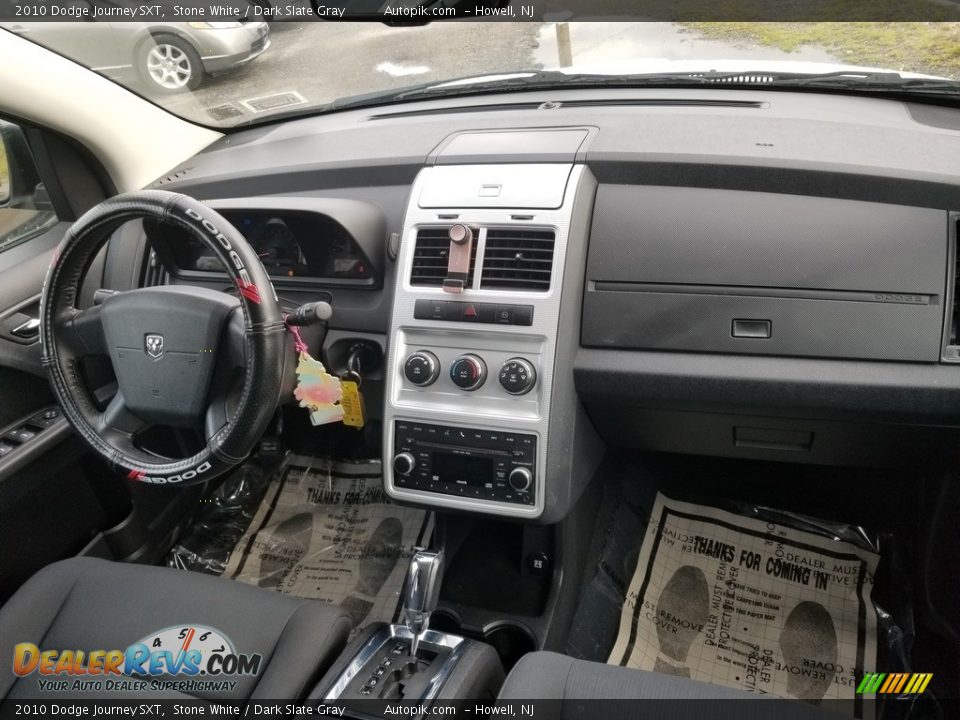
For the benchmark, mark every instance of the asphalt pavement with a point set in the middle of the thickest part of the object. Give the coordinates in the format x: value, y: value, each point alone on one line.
x: 316, y: 62
x: 324, y: 61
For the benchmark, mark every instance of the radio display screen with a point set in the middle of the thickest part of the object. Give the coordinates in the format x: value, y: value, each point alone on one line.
x: 474, y: 471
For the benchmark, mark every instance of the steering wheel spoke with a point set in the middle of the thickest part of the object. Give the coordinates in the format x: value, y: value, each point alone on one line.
x: 221, y: 410
x: 119, y: 420
x: 82, y: 333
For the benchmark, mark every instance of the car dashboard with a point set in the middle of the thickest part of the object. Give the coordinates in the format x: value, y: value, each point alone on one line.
x: 757, y: 274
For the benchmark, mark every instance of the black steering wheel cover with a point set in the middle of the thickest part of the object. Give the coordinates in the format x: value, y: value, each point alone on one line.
x: 263, y: 336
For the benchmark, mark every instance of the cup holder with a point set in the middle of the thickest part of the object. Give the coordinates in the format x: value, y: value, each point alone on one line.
x: 510, y: 639
x: 443, y: 621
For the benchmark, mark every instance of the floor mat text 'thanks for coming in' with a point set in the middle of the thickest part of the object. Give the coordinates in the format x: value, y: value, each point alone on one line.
x: 326, y: 530
x: 749, y: 604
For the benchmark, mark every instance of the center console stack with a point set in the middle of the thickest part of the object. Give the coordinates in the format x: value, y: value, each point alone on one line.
x: 474, y: 398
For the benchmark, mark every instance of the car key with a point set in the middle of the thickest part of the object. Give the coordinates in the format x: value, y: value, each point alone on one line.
x: 352, y: 400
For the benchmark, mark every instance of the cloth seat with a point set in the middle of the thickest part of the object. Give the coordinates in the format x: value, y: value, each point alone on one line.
x: 90, y: 604
x: 575, y: 683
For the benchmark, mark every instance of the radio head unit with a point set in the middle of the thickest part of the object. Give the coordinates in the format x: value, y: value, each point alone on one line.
x: 465, y: 462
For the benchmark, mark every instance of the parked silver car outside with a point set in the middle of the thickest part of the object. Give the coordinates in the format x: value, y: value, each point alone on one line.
x: 167, y: 57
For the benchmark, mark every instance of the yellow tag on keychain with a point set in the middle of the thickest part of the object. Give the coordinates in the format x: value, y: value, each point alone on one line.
x: 352, y: 404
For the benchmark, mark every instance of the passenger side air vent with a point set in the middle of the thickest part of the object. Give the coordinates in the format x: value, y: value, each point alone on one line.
x: 431, y: 254
x: 518, y: 259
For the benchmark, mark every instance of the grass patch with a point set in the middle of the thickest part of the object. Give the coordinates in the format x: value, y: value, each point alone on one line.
x: 925, y: 47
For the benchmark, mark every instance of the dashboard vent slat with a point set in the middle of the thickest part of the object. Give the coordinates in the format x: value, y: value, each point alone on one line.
x: 153, y: 271
x: 519, y: 258
x: 430, y: 257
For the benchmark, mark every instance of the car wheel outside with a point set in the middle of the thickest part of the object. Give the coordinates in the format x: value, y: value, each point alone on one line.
x: 168, y: 64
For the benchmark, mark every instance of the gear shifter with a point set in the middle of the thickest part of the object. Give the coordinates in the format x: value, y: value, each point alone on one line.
x: 422, y: 593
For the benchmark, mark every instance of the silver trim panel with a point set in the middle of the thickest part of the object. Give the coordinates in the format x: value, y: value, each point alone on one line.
x: 389, y: 633
x: 492, y: 186
x: 489, y: 407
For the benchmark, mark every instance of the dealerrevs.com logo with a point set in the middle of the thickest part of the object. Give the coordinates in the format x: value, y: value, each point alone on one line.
x: 186, y: 658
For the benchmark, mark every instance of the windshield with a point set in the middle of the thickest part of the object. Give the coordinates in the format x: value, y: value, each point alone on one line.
x: 224, y: 74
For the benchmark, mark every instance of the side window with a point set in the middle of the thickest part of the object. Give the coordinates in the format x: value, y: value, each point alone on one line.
x: 25, y: 209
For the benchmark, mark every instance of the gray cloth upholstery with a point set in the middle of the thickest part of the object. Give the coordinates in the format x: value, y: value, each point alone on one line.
x: 549, y: 676
x: 90, y: 604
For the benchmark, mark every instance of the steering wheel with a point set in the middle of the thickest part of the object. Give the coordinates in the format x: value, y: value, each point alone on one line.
x: 177, y: 351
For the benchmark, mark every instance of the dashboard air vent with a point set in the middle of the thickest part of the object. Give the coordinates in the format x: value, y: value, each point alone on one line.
x: 518, y: 259
x: 172, y: 177
x: 153, y: 272
x: 431, y: 254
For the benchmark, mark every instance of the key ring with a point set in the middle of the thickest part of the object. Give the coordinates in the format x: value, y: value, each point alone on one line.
x: 353, y: 364
x: 352, y: 375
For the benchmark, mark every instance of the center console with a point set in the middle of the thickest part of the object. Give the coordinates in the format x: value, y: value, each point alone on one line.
x: 411, y: 662
x: 472, y: 396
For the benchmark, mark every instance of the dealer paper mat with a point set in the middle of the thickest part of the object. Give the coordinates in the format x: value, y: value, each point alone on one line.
x: 326, y: 530
x: 748, y: 604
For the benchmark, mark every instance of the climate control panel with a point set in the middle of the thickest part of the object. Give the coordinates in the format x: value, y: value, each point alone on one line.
x: 466, y: 462
x: 517, y: 376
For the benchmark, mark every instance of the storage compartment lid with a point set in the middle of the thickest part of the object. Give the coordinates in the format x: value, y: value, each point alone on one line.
x: 700, y: 236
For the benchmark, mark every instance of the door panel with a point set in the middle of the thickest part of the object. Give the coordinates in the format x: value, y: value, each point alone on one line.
x: 48, y: 508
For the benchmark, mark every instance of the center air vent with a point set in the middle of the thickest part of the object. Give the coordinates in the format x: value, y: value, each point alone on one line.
x: 431, y: 254
x: 518, y: 259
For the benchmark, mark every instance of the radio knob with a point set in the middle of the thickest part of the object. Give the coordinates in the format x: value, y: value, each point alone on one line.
x: 422, y: 368
x: 468, y: 372
x: 518, y: 376
x: 520, y: 479
x: 404, y: 463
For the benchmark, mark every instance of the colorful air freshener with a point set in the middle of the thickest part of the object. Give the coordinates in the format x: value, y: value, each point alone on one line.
x: 317, y: 390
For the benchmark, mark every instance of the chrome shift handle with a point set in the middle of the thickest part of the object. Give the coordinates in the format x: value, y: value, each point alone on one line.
x: 422, y: 592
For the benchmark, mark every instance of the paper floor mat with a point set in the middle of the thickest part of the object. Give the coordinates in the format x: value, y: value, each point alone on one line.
x: 749, y: 604
x: 326, y: 530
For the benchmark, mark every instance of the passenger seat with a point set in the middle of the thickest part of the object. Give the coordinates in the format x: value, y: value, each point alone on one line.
x: 550, y: 676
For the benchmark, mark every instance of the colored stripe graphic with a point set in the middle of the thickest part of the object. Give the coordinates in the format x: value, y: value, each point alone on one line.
x: 891, y: 680
x: 894, y: 683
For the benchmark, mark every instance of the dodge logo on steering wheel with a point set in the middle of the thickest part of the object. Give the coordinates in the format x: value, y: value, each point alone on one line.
x: 153, y: 346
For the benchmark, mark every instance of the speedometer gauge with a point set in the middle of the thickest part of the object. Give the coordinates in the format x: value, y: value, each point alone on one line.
x: 277, y: 248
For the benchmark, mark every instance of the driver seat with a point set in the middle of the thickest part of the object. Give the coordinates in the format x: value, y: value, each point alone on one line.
x: 90, y: 604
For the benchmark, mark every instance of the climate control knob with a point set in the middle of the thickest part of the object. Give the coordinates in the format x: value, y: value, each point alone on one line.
x: 520, y: 479
x: 422, y: 368
x: 518, y: 376
x: 404, y: 463
x: 468, y: 372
